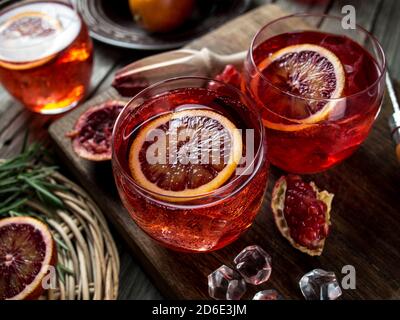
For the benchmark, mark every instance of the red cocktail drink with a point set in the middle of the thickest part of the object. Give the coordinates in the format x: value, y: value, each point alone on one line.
x: 319, y: 92
x: 189, y: 160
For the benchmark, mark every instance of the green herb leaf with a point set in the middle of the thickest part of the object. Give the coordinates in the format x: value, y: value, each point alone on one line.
x: 13, y: 206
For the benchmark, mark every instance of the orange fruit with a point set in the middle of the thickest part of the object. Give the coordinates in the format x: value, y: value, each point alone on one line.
x: 181, y: 175
x: 161, y: 15
x: 306, y: 71
x: 27, y: 249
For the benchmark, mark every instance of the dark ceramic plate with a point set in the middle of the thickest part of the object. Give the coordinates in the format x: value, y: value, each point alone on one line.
x: 111, y: 22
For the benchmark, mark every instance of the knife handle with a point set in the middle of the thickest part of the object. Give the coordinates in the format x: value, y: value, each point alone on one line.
x: 398, y: 152
x: 394, y: 125
x: 396, y: 140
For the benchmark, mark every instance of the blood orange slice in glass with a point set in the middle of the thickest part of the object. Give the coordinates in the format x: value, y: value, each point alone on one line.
x: 27, y: 250
x: 185, y: 154
x: 302, y: 213
x: 28, y: 28
x: 309, y: 75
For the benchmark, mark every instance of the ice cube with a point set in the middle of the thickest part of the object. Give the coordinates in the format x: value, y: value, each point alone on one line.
x: 271, y: 294
x: 226, y: 283
x: 319, y: 284
x: 254, y: 264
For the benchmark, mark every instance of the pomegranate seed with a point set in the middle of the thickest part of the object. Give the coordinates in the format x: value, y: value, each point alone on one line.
x: 230, y: 75
x: 304, y: 213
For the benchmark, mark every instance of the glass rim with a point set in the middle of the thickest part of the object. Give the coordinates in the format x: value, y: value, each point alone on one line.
x: 12, y: 6
x: 256, y: 163
x: 369, y: 35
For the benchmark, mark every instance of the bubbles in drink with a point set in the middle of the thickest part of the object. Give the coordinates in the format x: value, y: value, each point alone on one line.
x: 27, y: 26
x: 37, y: 30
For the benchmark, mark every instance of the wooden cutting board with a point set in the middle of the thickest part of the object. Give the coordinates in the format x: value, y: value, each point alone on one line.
x: 365, y: 217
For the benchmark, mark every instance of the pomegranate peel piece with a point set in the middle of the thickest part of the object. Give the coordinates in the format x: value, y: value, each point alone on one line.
x: 305, y: 230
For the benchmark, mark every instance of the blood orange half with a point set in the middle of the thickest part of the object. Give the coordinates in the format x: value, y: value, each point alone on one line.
x: 91, y: 136
x: 310, y: 73
x: 27, y: 249
x: 179, y: 171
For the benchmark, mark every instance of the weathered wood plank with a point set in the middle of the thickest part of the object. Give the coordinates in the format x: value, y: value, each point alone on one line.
x: 365, y: 14
x: 310, y: 6
x: 387, y: 29
x: 134, y: 284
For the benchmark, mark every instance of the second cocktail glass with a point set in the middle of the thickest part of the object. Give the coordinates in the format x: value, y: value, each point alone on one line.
x: 319, y: 91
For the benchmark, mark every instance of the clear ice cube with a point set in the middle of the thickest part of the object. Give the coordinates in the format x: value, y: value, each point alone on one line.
x: 319, y: 284
x: 270, y: 294
x: 226, y: 284
x: 254, y: 264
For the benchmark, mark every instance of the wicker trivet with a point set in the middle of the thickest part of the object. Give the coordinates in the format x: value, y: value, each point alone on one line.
x: 90, y: 251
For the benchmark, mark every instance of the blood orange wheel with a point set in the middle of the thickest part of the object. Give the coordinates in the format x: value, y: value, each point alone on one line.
x: 309, y: 72
x: 186, y: 130
x: 27, y: 249
x: 31, y: 24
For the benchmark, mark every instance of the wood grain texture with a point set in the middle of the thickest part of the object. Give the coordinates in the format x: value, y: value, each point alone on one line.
x: 311, y: 6
x: 365, y: 13
x: 365, y: 209
x: 386, y: 28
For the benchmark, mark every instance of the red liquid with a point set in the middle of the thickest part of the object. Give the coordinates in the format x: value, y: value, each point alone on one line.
x: 321, y: 145
x: 209, y: 222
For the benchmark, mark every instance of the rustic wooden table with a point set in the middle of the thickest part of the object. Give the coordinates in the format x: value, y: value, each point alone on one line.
x: 381, y: 17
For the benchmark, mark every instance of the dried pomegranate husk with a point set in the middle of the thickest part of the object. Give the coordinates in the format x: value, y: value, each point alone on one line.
x: 91, y: 136
x: 322, y: 201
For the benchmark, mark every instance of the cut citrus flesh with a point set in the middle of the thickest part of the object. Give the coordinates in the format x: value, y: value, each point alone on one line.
x: 91, y: 136
x: 34, y: 24
x: 312, y: 75
x: 302, y: 213
x: 27, y: 250
x: 182, y: 175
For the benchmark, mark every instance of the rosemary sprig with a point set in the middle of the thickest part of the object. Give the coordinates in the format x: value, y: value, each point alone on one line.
x: 15, y: 205
x: 62, y: 271
x: 42, y: 191
x: 61, y: 243
x: 26, y: 177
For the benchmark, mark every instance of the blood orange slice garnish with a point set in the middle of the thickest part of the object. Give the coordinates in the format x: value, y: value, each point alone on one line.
x: 27, y: 250
x: 185, y: 137
x: 310, y: 72
x: 302, y: 213
x: 32, y: 25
